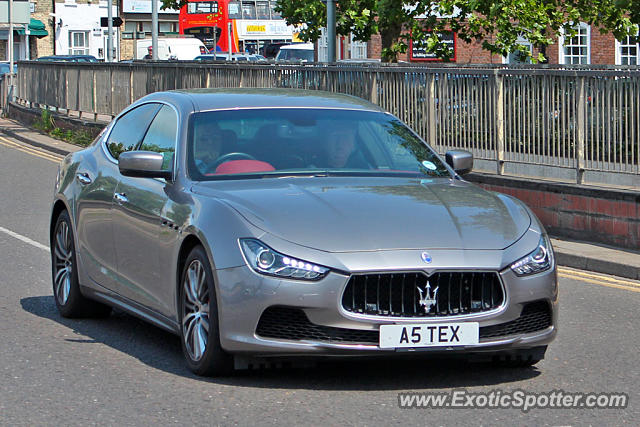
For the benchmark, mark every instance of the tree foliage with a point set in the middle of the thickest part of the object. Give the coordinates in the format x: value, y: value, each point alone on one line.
x: 497, y: 24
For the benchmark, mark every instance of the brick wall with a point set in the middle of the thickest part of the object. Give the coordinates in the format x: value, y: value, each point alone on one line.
x: 596, y: 215
x: 43, y: 46
x: 603, y: 48
x: 126, y: 48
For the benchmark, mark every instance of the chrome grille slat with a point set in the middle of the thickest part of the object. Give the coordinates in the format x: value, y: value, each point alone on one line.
x: 459, y: 293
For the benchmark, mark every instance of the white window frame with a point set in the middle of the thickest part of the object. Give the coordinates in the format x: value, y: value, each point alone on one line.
x: 323, y: 46
x: 562, y: 57
x: 521, y: 41
x: 619, y: 55
x: 357, y: 49
x: 79, y: 50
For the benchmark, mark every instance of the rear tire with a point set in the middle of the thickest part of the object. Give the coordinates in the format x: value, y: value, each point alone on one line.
x: 199, y: 329
x: 66, y: 287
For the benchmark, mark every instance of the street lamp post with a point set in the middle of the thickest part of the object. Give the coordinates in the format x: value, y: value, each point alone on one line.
x: 10, y: 43
x: 154, y: 29
x: 331, y: 30
x: 109, y: 56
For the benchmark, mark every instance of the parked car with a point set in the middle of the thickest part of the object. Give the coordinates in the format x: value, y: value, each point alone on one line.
x: 285, y: 223
x: 177, y: 48
x: 222, y: 56
x: 271, y: 50
x: 296, y: 52
x: 69, y: 58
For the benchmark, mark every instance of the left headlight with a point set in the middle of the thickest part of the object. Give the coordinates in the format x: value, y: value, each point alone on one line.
x: 537, y: 261
x: 264, y: 260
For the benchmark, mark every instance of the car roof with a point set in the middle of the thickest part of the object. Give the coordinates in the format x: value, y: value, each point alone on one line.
x: 304, y: 46
x: 223, y: 99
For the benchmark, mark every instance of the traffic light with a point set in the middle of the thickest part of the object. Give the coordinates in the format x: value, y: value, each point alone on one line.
x: 104, y: 21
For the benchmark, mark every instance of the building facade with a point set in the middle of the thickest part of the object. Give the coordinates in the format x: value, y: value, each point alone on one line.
x: 27, y: 32
x: 136, y: 15
x: 587, y: 47
x: 77, y: 29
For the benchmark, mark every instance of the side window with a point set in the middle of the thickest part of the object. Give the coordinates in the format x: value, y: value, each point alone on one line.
x: 130, y: 128
x: 161, y: 136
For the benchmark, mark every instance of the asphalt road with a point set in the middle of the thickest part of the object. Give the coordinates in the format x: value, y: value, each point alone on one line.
x: 120, y: 370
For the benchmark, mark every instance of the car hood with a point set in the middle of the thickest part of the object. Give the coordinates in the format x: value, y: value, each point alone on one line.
x: 345, y: 214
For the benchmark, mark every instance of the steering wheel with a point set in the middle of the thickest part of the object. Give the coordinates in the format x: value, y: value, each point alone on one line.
x: 231, y: 156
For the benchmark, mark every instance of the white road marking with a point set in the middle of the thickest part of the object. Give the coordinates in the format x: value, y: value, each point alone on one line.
x: 25, y: 239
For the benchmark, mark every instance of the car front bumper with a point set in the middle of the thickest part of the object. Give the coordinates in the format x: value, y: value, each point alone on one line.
x: 244, y: 295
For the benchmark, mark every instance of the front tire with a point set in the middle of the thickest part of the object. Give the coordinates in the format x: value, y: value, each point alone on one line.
x: 66, y: 287
x: 199, y: 327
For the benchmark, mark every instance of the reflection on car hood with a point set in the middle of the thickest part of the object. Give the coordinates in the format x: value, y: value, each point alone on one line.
x: 340, y: 214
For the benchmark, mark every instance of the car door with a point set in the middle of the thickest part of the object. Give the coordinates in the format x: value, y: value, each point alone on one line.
x: 98, y: 179
x: 137, y: 218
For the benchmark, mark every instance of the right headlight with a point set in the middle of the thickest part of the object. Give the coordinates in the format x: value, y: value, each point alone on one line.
x: 537, y: 261
x: 264, y: 260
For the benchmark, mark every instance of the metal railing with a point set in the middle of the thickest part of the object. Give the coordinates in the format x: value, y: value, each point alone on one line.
x: 576, y: 120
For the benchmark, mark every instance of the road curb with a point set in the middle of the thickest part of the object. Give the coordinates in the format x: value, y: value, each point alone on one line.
x: 581, y: 262
x: 21, y: 138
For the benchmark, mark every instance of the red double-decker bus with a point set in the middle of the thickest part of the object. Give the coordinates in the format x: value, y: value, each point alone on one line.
x: 209, y: 21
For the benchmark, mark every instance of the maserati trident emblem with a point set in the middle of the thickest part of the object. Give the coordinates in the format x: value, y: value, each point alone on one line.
x: 426, y: 299
x: 426, y: 257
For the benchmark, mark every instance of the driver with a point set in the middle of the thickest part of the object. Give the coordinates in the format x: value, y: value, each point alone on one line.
x: 208, y: 144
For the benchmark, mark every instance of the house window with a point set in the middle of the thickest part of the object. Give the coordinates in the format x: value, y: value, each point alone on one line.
x: 627, y: 51
x: 78, y: 42
x: 358, y: 50
x: 323, y: 46
x: 577, y: 49
x: 518, y: 57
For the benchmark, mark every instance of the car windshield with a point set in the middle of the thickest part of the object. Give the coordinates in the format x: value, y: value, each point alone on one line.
x: 295, y: 55
x: 261, y: 143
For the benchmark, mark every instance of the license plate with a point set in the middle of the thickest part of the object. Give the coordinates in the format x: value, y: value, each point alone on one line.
x: 429, y: 335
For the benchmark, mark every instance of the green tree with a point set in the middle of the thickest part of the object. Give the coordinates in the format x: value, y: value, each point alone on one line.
x: 497, y: 24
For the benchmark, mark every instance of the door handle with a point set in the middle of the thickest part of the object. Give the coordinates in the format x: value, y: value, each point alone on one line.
x: 120, y: 198
x: 83, y: 178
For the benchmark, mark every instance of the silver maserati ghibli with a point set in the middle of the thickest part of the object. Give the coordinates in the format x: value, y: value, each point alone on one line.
x: 260, y: 223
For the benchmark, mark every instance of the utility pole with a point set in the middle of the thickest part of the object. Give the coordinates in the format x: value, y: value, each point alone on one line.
x: 154, y: 29
x: 10, y: 43
x: 331, y: 30
x: 27, y: 32
x: 229, y: 40
x: 109, y: 56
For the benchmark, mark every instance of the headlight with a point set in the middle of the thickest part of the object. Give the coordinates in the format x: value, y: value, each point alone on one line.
x: 265, y: 260
x: 539, y: 260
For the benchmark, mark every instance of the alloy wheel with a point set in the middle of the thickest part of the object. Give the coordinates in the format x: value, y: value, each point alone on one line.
x: 63, y: 263
x: 195, y: 310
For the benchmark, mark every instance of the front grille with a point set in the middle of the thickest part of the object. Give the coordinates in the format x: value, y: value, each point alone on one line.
x: 293, y: 324
x: 419, y: 295
x: 535, y: 316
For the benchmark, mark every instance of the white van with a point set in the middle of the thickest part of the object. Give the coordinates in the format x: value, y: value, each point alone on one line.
x: 296, y: 52
x: 181, y: 48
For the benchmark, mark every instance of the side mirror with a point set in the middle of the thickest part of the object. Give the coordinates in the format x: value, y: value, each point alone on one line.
x: 143, y: 164
x: 460, y: 160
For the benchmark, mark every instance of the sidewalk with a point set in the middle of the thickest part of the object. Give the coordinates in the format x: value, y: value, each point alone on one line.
x: 580, y: 255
